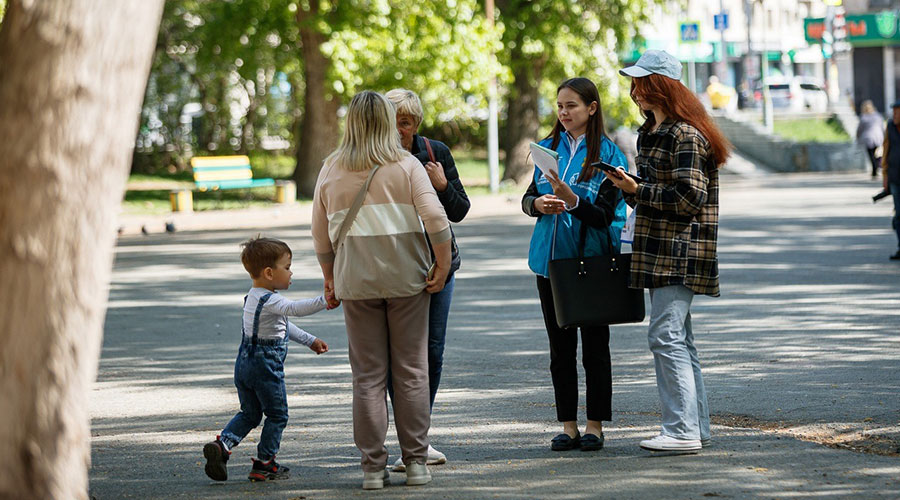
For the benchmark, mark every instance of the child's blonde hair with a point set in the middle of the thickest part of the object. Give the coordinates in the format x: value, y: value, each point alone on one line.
x: 259, y: 253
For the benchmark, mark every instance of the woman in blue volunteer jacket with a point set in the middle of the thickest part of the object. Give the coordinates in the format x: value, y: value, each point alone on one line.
x: 580, y: 195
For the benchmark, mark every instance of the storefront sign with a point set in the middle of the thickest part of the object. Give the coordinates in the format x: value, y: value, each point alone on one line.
x: 813, y: 29
x: 862, y: 29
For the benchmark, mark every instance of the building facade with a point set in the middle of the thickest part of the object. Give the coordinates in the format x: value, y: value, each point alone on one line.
x: 732, y: 46
x: 873, y: 32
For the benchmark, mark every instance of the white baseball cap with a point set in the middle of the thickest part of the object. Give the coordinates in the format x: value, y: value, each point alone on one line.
x: 654, y: 61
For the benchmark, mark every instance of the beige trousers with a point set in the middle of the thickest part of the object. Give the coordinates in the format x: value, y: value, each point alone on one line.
x: 395, y: 331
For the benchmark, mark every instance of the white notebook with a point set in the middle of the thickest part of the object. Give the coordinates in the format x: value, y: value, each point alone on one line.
x: 546, y: 159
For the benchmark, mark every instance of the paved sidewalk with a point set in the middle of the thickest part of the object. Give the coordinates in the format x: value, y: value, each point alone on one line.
x: 802, y: 348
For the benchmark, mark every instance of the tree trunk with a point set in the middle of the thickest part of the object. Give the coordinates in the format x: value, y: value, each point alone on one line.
x: 523, y: 122
x: 72, y: 76
x: 319, y: 127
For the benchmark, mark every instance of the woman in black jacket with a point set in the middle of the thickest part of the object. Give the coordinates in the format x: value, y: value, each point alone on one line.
x: 438, y: 162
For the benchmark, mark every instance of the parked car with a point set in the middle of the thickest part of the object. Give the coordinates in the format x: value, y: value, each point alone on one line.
x: 815, y: 98
x: 796, y: 94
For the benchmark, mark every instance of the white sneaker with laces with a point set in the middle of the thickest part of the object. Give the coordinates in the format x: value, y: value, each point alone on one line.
x: 375, y: 480
x: 669, y: 443
x: 417, y: 474
x: 434, y: 458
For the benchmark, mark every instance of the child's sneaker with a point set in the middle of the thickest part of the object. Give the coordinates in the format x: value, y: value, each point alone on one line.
x: 216, y: 455
x: 263, y: 471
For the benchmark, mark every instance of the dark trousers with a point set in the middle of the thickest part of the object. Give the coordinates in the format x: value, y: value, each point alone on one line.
x: 563, y: 368
x: 895, y: 221
x: 876, y: 162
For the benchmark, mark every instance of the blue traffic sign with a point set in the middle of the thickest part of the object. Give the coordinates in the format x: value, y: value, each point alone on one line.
x: 721, y: 21
x: 690, y: 32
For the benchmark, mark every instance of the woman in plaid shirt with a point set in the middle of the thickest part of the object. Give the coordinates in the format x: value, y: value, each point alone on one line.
x: 674, y: 250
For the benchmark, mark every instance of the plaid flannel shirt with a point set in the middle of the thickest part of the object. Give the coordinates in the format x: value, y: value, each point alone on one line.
x: 677, y: 210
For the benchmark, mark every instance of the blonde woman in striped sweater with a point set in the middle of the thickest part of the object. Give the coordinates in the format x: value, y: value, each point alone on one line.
x: 380, y: 271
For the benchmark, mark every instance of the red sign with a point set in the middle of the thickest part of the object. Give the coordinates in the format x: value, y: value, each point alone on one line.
x: 857, y: 27
x: 815, y: 30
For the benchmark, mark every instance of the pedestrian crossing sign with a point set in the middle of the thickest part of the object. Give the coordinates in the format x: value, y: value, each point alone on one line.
x: 690, y: 31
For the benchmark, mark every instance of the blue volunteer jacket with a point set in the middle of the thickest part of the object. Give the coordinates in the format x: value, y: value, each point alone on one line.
x: 568, y: 227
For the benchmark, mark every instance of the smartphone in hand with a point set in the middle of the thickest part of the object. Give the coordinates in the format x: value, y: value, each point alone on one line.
x: 430, y: 275
x: 606, y: 167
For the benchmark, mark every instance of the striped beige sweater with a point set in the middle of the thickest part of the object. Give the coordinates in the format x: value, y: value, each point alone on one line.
x: 385, y: 254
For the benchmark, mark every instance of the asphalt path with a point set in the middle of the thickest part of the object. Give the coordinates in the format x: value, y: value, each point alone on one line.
x: 801, y: 358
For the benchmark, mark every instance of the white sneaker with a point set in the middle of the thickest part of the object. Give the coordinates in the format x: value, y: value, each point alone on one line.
x: 706, y: 442
x: 669, y: 443
x: 434, y: 458
x: 417, y: 474
x: 375, y: 480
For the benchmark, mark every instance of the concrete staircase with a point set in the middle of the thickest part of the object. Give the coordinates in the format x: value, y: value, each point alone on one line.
x: 782, y: 155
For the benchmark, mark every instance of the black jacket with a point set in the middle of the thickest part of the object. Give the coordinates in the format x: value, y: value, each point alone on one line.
x: 598, y: 213
x: 454, y: 198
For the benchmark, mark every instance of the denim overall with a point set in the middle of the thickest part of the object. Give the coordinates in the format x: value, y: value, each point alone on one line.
x: 259, y: 378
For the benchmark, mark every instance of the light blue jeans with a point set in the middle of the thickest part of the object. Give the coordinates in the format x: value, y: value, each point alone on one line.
x: 682, y: 396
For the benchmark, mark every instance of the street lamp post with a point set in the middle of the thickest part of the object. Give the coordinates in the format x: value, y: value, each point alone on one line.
x: 493, y: 136
x: 764, y: 70
x: 723, y: 59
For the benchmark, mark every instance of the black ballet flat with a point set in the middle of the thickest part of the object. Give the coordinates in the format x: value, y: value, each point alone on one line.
x: 590, y: 442
x: 564, y: 442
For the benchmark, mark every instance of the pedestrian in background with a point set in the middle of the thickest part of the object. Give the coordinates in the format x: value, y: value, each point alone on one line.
x: 890, y: 163
x: 870, y: 133
x: 674, y: 248
x: 438, y: 163
x: 579, y: 196
x: 380, y: 272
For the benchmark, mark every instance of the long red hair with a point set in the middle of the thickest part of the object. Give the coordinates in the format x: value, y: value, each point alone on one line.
x: 680, y: 104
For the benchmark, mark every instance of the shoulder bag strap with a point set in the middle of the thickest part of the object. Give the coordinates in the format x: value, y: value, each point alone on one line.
x: 430, y: 151
x: 354, y: 209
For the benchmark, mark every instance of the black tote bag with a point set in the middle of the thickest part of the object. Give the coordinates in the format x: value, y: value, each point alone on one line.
x: 593, y: 291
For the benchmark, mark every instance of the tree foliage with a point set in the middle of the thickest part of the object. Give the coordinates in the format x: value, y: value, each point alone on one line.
x: 231, y: 74
x: 438, y: 49
x: 548, y: 41
x: 240, y: 61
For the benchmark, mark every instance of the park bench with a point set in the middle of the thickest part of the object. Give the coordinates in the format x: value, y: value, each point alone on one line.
x: 214, y: 173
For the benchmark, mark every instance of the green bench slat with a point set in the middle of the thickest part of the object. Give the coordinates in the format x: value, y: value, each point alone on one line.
x: 235, y: 183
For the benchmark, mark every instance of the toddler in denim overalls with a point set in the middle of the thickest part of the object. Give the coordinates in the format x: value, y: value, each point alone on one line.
x: 259, y: 368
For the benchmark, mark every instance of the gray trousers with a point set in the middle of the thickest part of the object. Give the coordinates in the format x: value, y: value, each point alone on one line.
x: 382, y: 333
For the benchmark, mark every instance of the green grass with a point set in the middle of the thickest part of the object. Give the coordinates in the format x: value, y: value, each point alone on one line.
x: 811, y: 130
x: 149, y: 194
x: 156, y: 201
x: 472, y: 168
x: 274, y: 166
x: 475, y: 175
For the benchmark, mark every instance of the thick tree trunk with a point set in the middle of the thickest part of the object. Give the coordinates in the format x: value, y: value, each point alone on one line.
x: 72, y: 75
x: 319, y: 127
x: 523, y: 122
